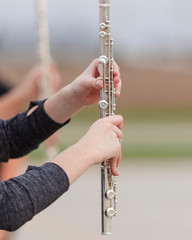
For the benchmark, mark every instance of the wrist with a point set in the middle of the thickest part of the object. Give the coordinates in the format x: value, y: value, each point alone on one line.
x: 88, y: 152
x: 70, y: 96
x: 73, y: 96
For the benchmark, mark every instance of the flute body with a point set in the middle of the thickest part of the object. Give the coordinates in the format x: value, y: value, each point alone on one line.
x: 107, y: 107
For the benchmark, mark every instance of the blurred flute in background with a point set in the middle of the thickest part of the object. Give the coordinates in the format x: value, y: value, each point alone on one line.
x: 107, y: 107
x: 44, y: 47
x: 45, y: 59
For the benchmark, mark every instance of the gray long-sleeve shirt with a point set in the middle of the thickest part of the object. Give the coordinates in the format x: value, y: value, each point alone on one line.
x: 24, y: 196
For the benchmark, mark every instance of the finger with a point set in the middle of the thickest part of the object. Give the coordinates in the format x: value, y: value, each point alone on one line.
x: 98, y: 84
x: 95, y: 83
x: 116, y: 80
x: 116, y: 120
x: 118, y: 87
x: 116, y: 70
x: 118, y: 160
x: 118, y: 133
x: 114, y: 170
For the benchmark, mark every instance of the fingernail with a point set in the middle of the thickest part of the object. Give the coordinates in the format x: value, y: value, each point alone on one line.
x: 118, y: 172
x: 118, y: 93
x: 97, y: 84
x: 117, y: 71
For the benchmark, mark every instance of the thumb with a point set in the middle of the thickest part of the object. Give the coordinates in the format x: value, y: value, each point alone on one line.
x: 92, y: 69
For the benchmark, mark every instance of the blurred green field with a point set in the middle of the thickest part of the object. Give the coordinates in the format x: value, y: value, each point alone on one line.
x: 147, y: 133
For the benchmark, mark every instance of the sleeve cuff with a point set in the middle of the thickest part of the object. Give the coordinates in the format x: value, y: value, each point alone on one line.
x: 25, y: 133
x: 41, y: 112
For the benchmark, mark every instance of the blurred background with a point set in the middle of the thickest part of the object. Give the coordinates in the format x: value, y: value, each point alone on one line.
x: 153, y: 47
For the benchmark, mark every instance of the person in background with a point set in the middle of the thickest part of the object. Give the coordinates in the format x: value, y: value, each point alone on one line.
x: 12, y: 101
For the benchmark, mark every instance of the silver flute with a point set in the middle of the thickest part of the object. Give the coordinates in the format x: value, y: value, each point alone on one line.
x: 107, y: 107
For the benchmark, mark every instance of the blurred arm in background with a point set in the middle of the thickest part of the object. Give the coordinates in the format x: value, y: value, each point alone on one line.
x: 13, y: 101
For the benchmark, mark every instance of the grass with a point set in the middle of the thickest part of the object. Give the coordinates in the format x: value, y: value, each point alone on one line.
x: 155, y: 151
x: 148, y: 133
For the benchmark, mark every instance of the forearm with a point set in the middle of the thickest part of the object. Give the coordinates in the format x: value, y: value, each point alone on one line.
x: 75, y: 161
x: 24, y: 196
x: 62, y: 105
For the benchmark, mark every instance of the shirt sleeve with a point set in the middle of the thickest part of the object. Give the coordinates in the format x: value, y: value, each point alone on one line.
x: 22, y: 134
x: 24, y: 196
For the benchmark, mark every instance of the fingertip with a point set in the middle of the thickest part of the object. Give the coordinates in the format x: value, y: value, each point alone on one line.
x: 117, y: 94
x: 115, y: 172
x: 114, y: 169
x: 98, y: 84
x: 115, y: 72
x: 116, y: 80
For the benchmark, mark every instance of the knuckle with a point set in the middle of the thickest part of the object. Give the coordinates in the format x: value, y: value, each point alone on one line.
x: 120, y: 134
